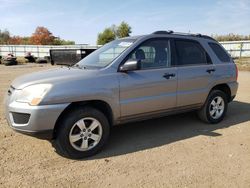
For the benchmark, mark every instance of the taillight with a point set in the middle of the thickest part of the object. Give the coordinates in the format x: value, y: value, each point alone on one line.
x: 237, y: 72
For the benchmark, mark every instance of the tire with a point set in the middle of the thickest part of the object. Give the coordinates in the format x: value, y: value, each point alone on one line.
x: 73, y: 139
x: 10, y: 62
x: 213, y: 104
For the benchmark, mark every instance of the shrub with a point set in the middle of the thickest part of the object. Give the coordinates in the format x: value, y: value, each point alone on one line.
x: 21, y: 60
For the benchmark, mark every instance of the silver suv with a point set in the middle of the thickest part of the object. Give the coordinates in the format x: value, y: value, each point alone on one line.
x: 129, y: 79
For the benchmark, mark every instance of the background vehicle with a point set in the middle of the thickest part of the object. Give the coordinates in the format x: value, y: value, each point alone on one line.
x: 126, y: 80
x: 68, y: 56
x: 10, y: 59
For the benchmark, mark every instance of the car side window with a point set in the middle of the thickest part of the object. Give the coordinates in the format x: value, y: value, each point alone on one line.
x: 189, y: 53
x: 220, y: 52
x: 154, y: 53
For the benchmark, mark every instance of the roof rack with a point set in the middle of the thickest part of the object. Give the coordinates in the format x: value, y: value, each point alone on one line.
x: 183, y: 34
x: 163, y: 32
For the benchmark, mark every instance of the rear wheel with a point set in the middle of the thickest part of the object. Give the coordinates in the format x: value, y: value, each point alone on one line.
x: 215, y: 107
x: 82, y: 133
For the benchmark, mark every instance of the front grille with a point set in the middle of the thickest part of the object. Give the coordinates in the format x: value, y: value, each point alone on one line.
x: 20, y: 118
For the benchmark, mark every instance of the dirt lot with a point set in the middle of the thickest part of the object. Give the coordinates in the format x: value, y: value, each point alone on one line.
x: 176, y: 151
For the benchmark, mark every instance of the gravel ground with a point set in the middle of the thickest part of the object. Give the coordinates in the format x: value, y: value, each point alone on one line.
x: 176, y: 151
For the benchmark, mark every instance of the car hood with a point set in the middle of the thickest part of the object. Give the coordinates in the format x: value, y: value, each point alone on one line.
x: 52, y: 76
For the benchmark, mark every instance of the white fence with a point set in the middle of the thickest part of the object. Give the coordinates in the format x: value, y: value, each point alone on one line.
x: 37, y: 50
x: 235, y: 48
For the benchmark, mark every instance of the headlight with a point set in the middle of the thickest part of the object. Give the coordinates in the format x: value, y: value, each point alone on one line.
x: 33, y: 94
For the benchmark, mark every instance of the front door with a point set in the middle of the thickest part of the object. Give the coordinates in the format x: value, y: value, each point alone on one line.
x: 152, y: 88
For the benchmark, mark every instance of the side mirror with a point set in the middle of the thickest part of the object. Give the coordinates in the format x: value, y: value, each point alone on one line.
x: 130, y: 65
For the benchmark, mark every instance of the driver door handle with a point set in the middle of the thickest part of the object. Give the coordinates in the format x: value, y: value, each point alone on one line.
x: 168, y: 75
x: 210, y: 70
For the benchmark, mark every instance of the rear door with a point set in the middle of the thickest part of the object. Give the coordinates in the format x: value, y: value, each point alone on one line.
x: 152, y: 88
x: 195, y: 72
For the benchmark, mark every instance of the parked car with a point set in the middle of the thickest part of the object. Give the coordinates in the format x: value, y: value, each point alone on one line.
x: 10, y: 59
x: 41, y: 60
x: 30, y: 57
x: 126, y: 80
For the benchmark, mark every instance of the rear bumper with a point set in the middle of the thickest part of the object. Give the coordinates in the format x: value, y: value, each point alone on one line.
x: 233, y: 88
x: 232, y: 98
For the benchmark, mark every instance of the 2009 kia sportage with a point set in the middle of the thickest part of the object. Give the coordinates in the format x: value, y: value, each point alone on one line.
x: 126, y: 80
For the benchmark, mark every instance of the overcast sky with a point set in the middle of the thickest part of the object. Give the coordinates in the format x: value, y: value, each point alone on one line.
x: 81, y: 20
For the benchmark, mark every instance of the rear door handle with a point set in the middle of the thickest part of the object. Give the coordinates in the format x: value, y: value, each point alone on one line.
x: 210, y: 70
x: 168, y: 75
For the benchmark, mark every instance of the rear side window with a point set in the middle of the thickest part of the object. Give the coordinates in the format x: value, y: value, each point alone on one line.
x: 220, y: 52
x: 189, y: 53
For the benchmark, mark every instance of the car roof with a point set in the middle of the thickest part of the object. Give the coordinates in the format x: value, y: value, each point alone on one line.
x: 172, y: 35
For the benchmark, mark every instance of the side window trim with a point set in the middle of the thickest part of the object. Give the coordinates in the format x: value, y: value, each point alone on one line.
x: 174, y: 58
x: 138, y: 46
x: 208, y: 58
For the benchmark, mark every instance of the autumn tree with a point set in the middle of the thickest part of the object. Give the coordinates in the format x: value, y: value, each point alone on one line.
x: 16, y: 40
x: 42, y: 36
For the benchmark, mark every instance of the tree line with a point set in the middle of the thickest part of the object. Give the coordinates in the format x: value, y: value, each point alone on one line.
x: 124, y: 30
x: 41, y: 36
x: 231, y: 37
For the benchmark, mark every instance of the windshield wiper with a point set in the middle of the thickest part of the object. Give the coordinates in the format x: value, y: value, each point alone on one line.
x: 78, y: 66
x: 66, y: 65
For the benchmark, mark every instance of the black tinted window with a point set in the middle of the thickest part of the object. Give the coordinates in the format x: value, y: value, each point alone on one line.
x: 220, y: 52
x: 189, y: 52
x: 154, y: 53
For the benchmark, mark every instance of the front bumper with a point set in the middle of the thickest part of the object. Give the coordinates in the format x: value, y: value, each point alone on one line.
x: 44, y: 135
x: 38, y: 121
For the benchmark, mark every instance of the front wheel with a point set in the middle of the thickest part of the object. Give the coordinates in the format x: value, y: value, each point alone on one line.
x: 214, y: 108
x: 82, y: 133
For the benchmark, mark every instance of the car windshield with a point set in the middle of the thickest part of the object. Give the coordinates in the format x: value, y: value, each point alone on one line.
x: 106, y: 54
